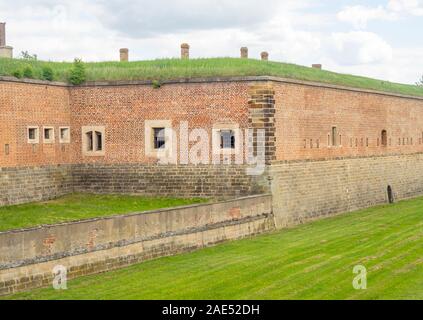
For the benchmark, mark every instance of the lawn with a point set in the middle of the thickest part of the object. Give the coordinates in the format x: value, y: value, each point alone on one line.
x: 164, y: 69
x: 81, y: 206
x: 310, y: 261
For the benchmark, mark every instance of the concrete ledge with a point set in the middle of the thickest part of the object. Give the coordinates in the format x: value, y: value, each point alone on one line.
x: 211, y: 80
x: 27, y: 257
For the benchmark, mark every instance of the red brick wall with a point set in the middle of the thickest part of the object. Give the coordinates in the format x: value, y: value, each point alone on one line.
x: 123, y: 109
x: 25, y: 105
x: 305, y: 113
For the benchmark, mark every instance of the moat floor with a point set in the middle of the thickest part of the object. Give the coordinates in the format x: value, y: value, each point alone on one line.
x: 79, y: 206
x: 311, y: 261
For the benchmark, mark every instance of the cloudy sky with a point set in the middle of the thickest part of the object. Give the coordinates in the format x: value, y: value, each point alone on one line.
x: 377, y: 38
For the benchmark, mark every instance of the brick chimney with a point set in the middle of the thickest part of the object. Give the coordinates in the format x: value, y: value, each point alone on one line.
x: 244, y: 53
x: 124, y: 54
x: 264, y: 56
x: 2, y: 34
x: 5, y: 51
x: 185, y: 51
x: 317, y: 66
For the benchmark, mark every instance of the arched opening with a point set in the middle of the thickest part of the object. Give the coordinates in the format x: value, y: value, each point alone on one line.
x: 384, y: 138
x: 390, y: 195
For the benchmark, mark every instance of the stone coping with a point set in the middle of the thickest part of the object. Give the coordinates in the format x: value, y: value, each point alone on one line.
x: 196, y: 205
x: 210, y: 80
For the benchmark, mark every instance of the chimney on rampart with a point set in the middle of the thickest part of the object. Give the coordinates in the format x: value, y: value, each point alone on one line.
x: 244, y: 53
x: 264, y: 56
x: 5, y: 51
x: 124, y: 54
x: 185, y: 51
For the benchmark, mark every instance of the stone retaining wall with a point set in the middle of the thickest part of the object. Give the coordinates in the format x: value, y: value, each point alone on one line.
x: 27, y: 257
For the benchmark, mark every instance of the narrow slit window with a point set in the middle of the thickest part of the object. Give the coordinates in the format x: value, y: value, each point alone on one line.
x: 99, y: 141
x: 334, y: 136
x: 89, y: 141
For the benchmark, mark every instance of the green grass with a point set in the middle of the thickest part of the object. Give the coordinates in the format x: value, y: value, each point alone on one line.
x: 165, y: 69
x: 81, y: 206
x: 311, y: 261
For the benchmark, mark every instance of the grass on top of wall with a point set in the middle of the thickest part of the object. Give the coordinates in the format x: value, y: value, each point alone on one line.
x: 310, y: 261
x: 82, y: 206
x: 165, y: 69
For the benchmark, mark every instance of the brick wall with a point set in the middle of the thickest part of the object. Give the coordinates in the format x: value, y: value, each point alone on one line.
x: 305, y: 115
x: 34, y: 104
x: 123, y: 110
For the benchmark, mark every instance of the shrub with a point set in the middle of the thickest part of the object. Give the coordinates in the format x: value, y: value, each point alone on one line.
x: 47, y: 73
x: 77, y: 73
x: 28, y: 72
x: 17, y: 74
x: 156, y: 84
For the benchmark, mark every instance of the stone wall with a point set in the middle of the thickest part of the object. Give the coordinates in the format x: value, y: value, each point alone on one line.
x: 27, y: 184
x: 220, y: 181
x: 304, y: 190
x: 27, y: 257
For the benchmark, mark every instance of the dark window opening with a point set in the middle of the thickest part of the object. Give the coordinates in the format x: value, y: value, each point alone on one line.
x: 32, y: 133
x: 6, y: 149
x: 159, y: 138
x: 227, y: 139
x: 47, y: 133
x: 99, y: 141
x: 90, y: 141
x: 384, y: 138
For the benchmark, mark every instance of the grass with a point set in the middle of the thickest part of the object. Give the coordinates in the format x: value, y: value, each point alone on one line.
x: 164, y: 69
x: 311, y: 261
x: 81, y: 206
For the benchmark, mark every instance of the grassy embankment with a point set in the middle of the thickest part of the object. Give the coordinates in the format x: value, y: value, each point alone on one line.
x: 164, y: 69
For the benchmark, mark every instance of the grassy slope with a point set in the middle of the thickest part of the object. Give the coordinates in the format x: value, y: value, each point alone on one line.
x: 81, y: 206
x: 311, y: 261
x: 176, y: 68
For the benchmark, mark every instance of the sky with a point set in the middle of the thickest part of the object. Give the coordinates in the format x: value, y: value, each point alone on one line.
x: 377, y: 38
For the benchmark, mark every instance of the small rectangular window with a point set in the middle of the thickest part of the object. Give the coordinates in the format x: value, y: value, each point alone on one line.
x: 159, y: 138
x: 48, y: 134
x: 6, y: 149
x: 33, y: 135
x: 227, y: 139
x: 64, y: 135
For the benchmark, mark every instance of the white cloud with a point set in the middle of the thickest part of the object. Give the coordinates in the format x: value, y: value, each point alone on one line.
x: 359, y: 16
x: 291, y: 31
x: 359, y: 47
x: 412, y: 7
